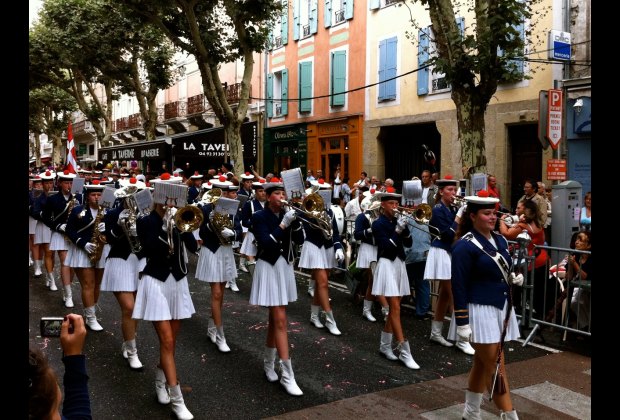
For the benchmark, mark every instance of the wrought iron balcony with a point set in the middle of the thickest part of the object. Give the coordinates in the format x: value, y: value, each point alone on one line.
x: 135, y: 121
x: 339, y: 16
x: 196, y: 104
x: 278, y: 42
x: 175, y: 110
x: 122, y: 124
x: 306, y: 30
x: 233, y: 92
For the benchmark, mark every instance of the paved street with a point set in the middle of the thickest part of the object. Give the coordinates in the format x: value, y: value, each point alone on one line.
x: 337, y: 374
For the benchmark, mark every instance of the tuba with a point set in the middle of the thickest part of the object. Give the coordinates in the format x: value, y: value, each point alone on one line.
x: 98, y: 238
x: 220, y: 221
x: 313, y: 207
x: 188, y: 218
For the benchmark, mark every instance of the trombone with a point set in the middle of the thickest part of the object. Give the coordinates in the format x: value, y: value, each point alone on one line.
x: 313, y: 208
x: 422, y: 215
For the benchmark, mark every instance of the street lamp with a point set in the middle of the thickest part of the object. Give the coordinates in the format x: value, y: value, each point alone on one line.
x: 578, y: 106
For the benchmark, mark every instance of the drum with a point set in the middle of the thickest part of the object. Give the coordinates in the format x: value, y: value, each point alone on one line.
x: 339, y: 215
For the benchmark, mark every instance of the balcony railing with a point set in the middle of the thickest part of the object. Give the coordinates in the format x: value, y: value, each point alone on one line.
x: 388, y: 2
x: 278, y: 42
x: 196, y: 104
x: 306, y: 30
x: 175, y: 109
x: 339, y: 16
x: 278, y: 109
x: 122, y: 124
x: 233, y: 92
x: 135, y: 121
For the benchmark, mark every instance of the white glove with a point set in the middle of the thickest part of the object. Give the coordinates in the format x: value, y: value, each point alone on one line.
x: 101, y: 227
x: 288, y: 218
x: 401, y: 223
x: 463, y: 332
x: 90, y: 247
x: 461, y: 211
x: 228, y: 233
x: 123, y: 215
x: 369, y: 231
x: 339, y: 255
x: 62, y: 227
x: 516, y: 279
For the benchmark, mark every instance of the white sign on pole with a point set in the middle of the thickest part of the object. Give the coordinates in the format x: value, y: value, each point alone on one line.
x: 554, y: 120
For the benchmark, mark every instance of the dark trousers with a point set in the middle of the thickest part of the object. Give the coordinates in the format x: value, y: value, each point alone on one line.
x: 415, y: 274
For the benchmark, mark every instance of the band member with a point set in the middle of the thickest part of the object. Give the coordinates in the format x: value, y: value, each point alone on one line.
x: 194, y: 190
x: 392, y: 235
x: 445, y: 219
x: 55, y: 215
x: 481, y: 284
x: 273, y: 283
x: 86, y: 230
x: 216, y: 262
x: 43, y: 233
x: 320, y: 254
x: 367, y: 257
x: 35, y: 252
x: 163, y: 295
x: 246, y: 188
x: 248, y: 247
x: 125, y: 261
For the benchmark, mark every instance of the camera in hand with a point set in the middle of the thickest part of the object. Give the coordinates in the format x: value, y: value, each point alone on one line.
x: 50, y: 326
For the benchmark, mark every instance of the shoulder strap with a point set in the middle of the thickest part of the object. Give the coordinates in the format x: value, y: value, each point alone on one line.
x: 498, y: 258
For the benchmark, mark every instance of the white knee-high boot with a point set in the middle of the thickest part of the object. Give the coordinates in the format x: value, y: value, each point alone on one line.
x: 37, y: 267
x: 367, y: 311
x: 160, y: 387
x: 220, y: 340
x: 91, y: 319
x: 288, y: 378
x: 436, y: 336
x: 314, y: 316
x: 68, y: 296
x: 405, y: 355
x: 269, y: 362
x: 472, y: 405
x: 330, y: 323
x: 132, y: 355
x: 178, y: 404
x: 385, y: 348
x: 509, y: 415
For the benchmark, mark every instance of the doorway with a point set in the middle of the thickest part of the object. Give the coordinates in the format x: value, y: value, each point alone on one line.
x: 526, y: 159
x: 335, y: 157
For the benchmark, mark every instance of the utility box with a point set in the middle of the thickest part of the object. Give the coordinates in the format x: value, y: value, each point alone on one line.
x: 565, y: 212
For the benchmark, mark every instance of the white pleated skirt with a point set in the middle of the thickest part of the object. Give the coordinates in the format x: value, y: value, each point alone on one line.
x: 390, y: 278
x: 121, y: 275
x: 42, y: 234
x: 486, y: 323
x: 163, y: 300
x: 60, y: 242
x: 78, y: 258
x: 216, y: 268
x: 32, y: 225
x: 315, y: 257
x: 273, y: 285
x: 248, y: 247
x: 438, y: 264
x: 366, y: 254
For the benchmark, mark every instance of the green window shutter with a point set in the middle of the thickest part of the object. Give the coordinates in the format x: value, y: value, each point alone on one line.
x: 423, y: 45
x: 314, y: 17
x: 296, y: 6
x: 327, y: 13
x: 348, y: 9
x: 269, y: 104
x: 374, y: 4
x: 339, y: 77
x: 305, y: 86
x: 284, y: 25
x: 284, y: 92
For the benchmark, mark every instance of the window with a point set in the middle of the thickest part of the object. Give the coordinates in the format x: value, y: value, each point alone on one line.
x: 337, y: 12
x: 438, y: 82
x: 516, y: 67
x: 305, y: 86
x: 338, y: 78
x: 305, y: 18
x: 387, y: 69
x: 91, y: 149
x: 279, y: 32
x: 277, y: 94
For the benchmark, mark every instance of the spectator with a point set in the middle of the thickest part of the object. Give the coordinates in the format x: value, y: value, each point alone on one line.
x: 530, y: 188
x: 580, y: 268
x: 585, y: 221
x: 429, y: 189
x: 345, y: 191
x: 310, y: 176
x: 44, y: 395
x: 415, y: 263
x: 363, y: 181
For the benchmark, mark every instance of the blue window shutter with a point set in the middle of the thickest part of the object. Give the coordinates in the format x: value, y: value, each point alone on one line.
x: 374, y: 4
x: 296, y: 6
x: 423, y: 44
x: 339, y: 77
x: 391, y: 54
x: 314, y: 17
x: 305, y: 86
x: 348, y: 9
x: 460, y: 21
x: 327, y: 13
x: 269, y: 104
x: 382, y: 69
x: 284, y: 25
x: 284, y: 92
x: 515, y: 65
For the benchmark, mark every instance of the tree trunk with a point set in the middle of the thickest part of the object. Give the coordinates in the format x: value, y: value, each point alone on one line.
x: 235, y: 148
x: 37, y: 149
x: 150, y: 122
x: 471, y: 127
x: 56, y: 148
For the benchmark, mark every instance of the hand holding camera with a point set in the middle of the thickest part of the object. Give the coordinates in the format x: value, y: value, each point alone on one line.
x: 72, y: 335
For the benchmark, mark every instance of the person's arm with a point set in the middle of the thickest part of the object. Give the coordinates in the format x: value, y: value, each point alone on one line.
x: 76, y: 403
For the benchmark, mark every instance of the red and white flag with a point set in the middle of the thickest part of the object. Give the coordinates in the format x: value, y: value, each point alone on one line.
x: 71, y: 162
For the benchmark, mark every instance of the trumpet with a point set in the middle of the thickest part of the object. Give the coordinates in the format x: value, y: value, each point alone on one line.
x: 313, y: 208
x: 510, y: 220
x: 459, y: 201
x: 421, y: 215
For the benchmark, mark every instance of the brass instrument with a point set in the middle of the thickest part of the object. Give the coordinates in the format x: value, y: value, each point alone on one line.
x: 188, y: 218
x: 98, y: 238
x: 70, y: 207
x: 169, y: 219
x: 459, y: 201
x: 211, y: 196
x: 129, y: 224
x: 313, y: 207
x: 219, y: 222
x: 421, y: 214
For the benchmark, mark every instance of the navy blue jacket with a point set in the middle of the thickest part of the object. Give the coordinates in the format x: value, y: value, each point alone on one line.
x: 80, y: 226
x: 249, y: 208
x: 55, y: 210
x: 159, y: 262
x: 36, y: 210
x: 192, y: 194
x: 115, y: 235
x: 390, y: 244
x: 476, y: 278
x: 76, y: 402
x: 443, y: 219
x: 272, y: 241
x: 208, y: 235
x: 315, y: 235
x: 363, y: 231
